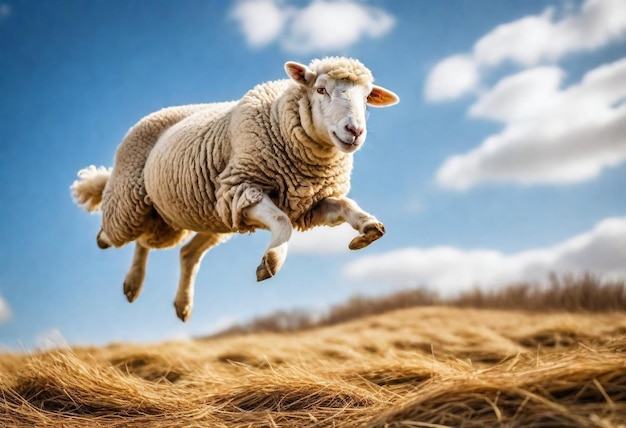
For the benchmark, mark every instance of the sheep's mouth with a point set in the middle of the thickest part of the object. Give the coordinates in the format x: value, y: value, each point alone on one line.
x: 345, y: 145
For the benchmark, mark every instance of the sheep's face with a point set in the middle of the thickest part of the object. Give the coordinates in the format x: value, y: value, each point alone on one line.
x: 338, y: 106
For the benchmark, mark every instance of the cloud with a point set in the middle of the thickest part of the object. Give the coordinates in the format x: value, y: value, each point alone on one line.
x: 334, y: 26
x: 530, y: 41
x: 261, y: 21
x: 5, y: 310
x: 322, y: 240
x: 542, y: 38
x: 449, y: 270
x: 451, y: 78
x: 550, y: 135
x: 320, y: 26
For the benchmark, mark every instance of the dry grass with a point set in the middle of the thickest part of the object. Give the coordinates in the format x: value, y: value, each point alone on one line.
x: 419, y: 367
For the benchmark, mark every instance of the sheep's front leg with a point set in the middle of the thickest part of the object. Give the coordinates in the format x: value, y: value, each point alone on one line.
x: 190, y: 257
x: 334, y: 211
x: 266, y: 215
x: 137, y: 272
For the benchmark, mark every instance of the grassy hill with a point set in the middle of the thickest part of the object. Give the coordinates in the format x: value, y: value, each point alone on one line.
x: 429, y: 366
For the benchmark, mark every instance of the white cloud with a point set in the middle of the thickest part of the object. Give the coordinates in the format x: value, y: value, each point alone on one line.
x: 5, y: 310
x: 542, y: 38
x: 550, y: 135
x: 524, y: 41
x: 261, y: 21
x: 533, y: 39
x: 334, y: 26
x: 601, y: 251
x: 451, y: 78
x: 322, y: 240
x: 320, y: 26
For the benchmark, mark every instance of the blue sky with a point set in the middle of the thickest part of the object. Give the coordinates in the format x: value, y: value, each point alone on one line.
x: 505, y: 159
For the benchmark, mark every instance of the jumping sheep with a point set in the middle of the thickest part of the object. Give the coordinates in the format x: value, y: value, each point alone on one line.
x: 277, y: 159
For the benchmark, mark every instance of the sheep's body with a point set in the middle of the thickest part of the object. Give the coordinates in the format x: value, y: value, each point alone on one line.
x: 279, y: 158
x: 216, y: 158
x: 127, y: 212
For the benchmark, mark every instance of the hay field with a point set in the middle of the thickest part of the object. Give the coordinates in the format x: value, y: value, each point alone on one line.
x: 419, y: 367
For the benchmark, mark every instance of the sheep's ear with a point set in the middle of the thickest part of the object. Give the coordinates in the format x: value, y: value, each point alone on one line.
x: 381, y: 97
x: 300, y: 73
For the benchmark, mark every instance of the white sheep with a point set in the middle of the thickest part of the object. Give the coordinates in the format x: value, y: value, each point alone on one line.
x: 279, y: 158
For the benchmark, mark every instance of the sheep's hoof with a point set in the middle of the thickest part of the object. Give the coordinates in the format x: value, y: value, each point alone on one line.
x: 263, y: 272
x: 371, y: 233
x: 102, y: 240
x: 183, y: 311
x: 131, y: 290
x: 268, y: 267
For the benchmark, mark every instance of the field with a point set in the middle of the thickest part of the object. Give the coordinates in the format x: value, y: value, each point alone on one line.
x: 427, y: 366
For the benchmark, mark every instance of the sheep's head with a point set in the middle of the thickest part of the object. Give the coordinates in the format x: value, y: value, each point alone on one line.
x: 339, y: 89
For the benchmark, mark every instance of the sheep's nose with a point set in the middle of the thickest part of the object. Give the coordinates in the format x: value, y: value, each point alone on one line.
x: 357, y: 132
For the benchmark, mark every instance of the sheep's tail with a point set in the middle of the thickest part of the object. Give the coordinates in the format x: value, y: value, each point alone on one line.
x: 87, y: 190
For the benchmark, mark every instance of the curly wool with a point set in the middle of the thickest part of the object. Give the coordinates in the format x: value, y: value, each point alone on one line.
x: 182, y: 171
x: 125, y: 206
x: 260, y: 144
x: 343, y: 68
x: 296, y: 171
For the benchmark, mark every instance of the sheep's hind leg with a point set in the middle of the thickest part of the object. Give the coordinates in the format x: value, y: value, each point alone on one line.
x: 334, y: 211
x: 269, y: 216
x: 135, y: 276
x: 190, y: 257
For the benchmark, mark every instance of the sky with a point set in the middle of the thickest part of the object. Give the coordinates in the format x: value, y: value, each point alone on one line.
x: 504, y: 161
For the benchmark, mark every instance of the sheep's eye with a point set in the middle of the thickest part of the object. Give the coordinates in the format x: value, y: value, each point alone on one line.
x: 321, y: 91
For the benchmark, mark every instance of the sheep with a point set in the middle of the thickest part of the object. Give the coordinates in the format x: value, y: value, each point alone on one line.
x: 277, y: 159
